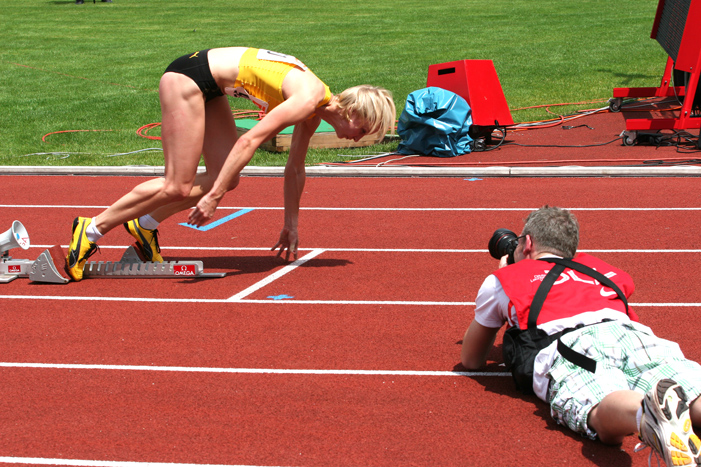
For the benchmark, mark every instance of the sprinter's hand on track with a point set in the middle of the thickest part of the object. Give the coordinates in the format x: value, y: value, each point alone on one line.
x: 288, y: 242
x: 203, y: 212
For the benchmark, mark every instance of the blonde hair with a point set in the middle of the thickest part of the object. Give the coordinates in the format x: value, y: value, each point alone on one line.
x: 371, y: 104
x: 554, y: 230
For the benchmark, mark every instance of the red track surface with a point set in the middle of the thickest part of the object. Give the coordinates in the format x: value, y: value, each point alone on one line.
x: 190, y: 377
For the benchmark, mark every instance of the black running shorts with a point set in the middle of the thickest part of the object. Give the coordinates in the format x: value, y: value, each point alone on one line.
x: 196, y: 67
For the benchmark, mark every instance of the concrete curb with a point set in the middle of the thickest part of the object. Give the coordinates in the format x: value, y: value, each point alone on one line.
x: 355, y: 171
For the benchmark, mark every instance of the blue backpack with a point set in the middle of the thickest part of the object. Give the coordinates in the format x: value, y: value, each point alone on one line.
x: 435, y: 122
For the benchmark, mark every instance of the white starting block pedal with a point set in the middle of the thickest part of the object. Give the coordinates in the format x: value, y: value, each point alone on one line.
x: 44, y: 268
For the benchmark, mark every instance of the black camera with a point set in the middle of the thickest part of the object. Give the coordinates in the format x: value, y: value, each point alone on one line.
x: 503, y: 242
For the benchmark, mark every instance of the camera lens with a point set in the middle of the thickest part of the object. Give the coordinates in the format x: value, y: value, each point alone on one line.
x: 503, y: 242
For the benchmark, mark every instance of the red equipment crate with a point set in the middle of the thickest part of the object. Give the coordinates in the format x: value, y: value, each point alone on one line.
x: 477, y: 82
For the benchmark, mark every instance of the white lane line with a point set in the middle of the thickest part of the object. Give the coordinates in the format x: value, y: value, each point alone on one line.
x: 81, y: 462
x: 321, y: 208
x: 227, y: 300
x: 380, y: 250
x: 418, y: 250
x: 288, y: 301
x: 287, y: 269
x: 272, y: 371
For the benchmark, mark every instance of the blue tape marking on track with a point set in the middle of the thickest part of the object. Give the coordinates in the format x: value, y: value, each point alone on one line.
x: 280, y: 297
x: 219, y: 222
x: 473, y: 179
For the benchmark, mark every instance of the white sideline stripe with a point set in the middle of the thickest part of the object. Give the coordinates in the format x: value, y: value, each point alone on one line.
x: 319, y: 208
x: 260, y: 371
x: 228, y: 300
x: 379, y: 250
x: 665, y: 304
x: 81, y: 462
x: 419, y: 250
x: 262, y: 283
x: 283, y: 302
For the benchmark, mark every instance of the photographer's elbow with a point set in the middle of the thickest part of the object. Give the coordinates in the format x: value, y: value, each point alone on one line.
x: 472, y: 364
x: 471, y: 360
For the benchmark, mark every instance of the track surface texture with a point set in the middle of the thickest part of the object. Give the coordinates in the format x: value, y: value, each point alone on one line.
x: 347, y: 357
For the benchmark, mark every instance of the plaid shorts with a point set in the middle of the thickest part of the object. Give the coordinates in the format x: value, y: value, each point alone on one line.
x: 628, y: 357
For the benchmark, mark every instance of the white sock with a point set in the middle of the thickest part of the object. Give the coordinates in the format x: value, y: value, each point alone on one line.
x: 148, y: 222
x: 639, y: 416
x: 92, y: 233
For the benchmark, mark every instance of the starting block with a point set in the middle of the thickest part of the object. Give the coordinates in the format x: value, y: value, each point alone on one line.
x: 131, y: 265
x: 43, y: 269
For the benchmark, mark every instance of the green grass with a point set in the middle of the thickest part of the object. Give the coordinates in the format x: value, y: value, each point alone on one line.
x: 96, y: 66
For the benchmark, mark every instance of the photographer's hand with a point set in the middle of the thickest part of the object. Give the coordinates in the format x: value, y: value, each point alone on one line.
x: 503, y: 262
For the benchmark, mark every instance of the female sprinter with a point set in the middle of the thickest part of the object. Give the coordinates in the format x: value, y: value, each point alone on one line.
x: 197, y: 120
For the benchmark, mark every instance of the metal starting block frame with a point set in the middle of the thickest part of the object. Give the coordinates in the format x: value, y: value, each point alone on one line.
x: 44, y: 269
x: 11, y: 269
x: 131, y: 265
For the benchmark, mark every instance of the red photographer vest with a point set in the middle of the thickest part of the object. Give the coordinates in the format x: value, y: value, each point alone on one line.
x: 571, y: 294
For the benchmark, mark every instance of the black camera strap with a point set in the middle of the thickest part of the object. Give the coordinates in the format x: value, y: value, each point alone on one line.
x: 593, y: 273
x: 542, y: 293
x: 573, y: 356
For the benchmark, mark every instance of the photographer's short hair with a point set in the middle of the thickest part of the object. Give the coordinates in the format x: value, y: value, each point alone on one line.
x: 553, y: 230
x: 372, y: 104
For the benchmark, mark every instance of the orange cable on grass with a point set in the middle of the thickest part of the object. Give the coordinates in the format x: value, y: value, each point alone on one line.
x: 555, y: 122
x: 561, y: 104
x: 144, y: 129
x: 238, y: 114
x: 581, y: 112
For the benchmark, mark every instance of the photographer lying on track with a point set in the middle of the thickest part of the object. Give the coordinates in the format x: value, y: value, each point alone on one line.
x: 603, y: 374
